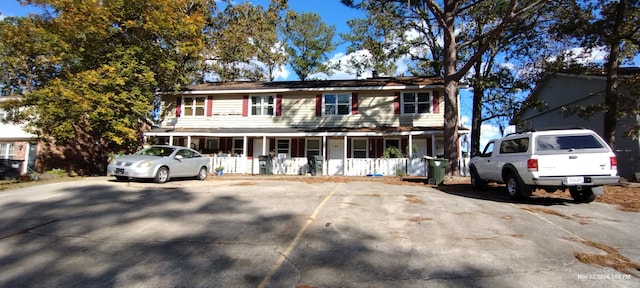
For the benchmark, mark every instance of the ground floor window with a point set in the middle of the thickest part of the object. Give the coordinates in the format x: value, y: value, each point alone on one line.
x: 238, y: 146
x: 283, y: 148
x: 313, y: 147
x: 359, y: 148
x: 6, y: 150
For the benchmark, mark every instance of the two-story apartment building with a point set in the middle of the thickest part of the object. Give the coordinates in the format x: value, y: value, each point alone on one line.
x: 17, y: 147
x: 351, y: 123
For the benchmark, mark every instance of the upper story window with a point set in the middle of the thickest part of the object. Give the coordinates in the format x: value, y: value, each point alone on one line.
x: 262, y: 105
x: 337, y: 104
x: 193, y: 106
x: 416, y: 102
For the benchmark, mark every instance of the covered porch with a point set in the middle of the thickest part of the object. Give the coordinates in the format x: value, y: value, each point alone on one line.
x: 394, y: 151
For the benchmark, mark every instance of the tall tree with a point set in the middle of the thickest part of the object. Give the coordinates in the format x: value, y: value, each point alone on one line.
x: 497, y: 89
x: 309, y: 42
x: 612, y: 25
x: 88, y: 73
x: 446, y: 16
x: 244, y: 42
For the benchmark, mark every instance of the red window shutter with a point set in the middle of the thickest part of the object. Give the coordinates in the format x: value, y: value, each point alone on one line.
x: 436, y: 102
x: 318, y: 105
x: 354, y: 104
x: 396, y: 103
x: 178, y: 106
x: 245, y: 105
x: 278, y: 104
x: 209, y: 106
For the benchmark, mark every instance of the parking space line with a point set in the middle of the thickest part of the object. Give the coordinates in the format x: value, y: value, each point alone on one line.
x: 284, y: 255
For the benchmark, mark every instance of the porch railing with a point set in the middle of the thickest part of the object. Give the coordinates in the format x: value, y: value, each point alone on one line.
x: 299, y: 166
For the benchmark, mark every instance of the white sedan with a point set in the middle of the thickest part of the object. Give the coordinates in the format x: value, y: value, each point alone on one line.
x: 160, y: 163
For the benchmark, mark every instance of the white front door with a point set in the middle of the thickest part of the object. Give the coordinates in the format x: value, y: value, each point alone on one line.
x: 257, y: 152
x: 335, y: 161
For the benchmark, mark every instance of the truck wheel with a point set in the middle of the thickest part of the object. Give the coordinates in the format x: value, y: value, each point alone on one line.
x: 515, y: 187
x: 583, y: 196
x: 162, y: 176
x: 476, y: 182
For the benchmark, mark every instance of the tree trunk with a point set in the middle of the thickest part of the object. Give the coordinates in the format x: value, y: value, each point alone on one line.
x: 476, y: 120
x: 451, y: 83
x: 611, y: 97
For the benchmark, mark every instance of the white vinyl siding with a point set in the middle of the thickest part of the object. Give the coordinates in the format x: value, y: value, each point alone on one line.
x: 375, y: 108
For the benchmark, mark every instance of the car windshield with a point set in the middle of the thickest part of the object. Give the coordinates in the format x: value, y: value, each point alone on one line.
x: 567, y: 142
x: 156, y: 151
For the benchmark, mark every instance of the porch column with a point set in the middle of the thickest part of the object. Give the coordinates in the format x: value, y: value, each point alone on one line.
x: 344, y: 157
x: 245, y: 146
x: 25, y: 162
x: 410, y: 146
x: 189, y: 141
x: 264, y: 145
x: 325, y: 166
x: 433, y: 145
x: 324, y: 147
x: 170, y: 139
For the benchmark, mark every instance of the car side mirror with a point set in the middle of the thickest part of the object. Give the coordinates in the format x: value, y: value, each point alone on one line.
x: 178, y: 157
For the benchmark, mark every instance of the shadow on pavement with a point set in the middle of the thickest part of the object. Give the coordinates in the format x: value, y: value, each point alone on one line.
x: 496, y: 193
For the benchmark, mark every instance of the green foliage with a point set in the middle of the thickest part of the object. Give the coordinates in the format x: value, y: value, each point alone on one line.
x: 57, y: 173
x: 309, y: 42
x: 392, y: 152
x: 241, y: 35
x: 87, y: 71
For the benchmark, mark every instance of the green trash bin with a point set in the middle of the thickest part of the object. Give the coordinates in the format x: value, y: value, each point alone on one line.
x: 264, y: 162
x: 436, y: 170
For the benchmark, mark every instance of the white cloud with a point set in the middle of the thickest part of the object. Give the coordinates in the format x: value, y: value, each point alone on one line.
x: 583, y: 56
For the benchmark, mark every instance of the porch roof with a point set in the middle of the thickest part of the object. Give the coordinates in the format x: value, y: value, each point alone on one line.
x: 299, y: 131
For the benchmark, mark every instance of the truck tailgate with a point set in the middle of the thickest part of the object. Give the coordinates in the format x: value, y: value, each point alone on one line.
x: 578, y: 164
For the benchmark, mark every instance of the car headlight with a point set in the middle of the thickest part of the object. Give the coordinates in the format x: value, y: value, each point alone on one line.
x: 145, y: 164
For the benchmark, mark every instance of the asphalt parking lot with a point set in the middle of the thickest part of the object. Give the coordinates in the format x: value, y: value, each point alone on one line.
x: 257, y: 232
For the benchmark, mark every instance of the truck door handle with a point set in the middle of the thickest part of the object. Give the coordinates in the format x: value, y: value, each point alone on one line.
x: 573, y: 157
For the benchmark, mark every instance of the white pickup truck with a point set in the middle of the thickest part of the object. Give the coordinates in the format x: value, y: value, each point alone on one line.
x: 577, y: 159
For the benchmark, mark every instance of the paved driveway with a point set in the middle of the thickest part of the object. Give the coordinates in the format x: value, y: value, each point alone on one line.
x: 253, y: 233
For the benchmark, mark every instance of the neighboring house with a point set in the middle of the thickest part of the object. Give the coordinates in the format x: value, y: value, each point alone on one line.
x: 16, y: 145
x: 350, y: 123
x: 564, y: 90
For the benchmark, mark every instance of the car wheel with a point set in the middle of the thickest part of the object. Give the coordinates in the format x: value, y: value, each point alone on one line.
x: 582, y: 196
x: 122, y: 178
x: 476, y: 182
x: 515, y: 187
x: 162, y: 176
x: 202, y: 173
